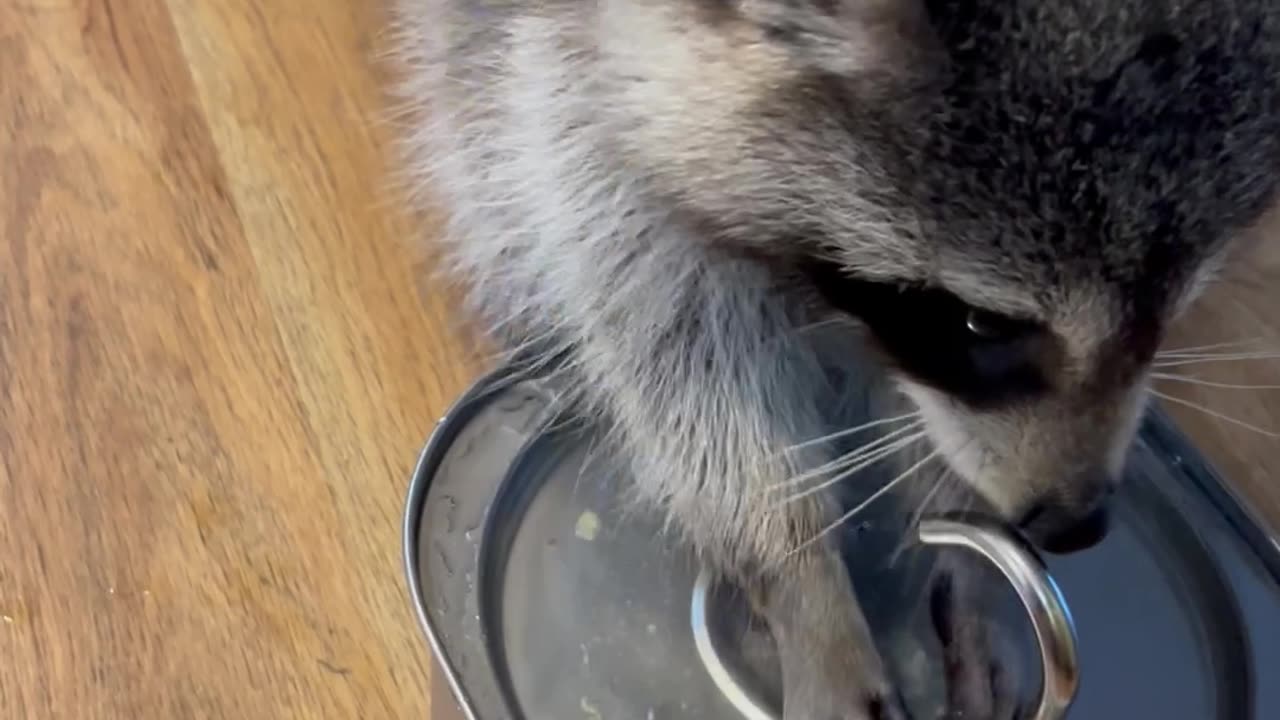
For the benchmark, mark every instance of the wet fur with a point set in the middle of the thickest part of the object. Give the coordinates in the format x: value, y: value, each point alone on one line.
x: 664, y: 192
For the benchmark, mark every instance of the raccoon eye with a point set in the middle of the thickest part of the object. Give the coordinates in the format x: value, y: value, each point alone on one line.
x: 994, y: 327
x: 978, y: 356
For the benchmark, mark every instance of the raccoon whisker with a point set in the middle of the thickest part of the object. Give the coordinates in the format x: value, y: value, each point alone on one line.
x: 895, y: 436
x: 1235, y: 353
x: 1200, y: 359
x: 833, y: 473
x: 947, y: 473
x: 861, y: 464
x: 1215, y: 414
x: 851, y: 431
x: 944, y: 476
x: 1251, y: 349
x: 852, y: 456
x: 823, y: 323
x: 1200, y: 349
x: 1171, y: 377
x: 863, y: 505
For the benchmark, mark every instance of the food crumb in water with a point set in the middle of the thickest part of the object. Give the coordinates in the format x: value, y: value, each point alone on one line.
x: 8, y: 619
x: 590, y: 710
x: 588, y: 526
x: 652, y: 629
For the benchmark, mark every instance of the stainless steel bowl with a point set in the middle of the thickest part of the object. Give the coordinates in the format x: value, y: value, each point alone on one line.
x: 544, y: 599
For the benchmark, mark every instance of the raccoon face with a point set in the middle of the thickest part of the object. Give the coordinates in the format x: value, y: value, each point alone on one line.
x: 1015, y: 197
x: 1069, y: 198
x: 1034, y: 406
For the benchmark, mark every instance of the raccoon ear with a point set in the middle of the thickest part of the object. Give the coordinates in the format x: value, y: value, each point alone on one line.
x: 847, y: 36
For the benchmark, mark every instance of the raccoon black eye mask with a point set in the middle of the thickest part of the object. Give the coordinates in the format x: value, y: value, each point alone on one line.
x: 980, y: 357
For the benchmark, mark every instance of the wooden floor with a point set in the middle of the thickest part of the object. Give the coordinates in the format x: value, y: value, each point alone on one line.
x: 219, y: 357
x: 215, y: 364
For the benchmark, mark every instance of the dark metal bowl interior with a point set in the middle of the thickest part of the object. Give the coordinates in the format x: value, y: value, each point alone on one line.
x: 544, y: 598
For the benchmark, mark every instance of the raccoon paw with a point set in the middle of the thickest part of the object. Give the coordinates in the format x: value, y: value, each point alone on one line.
x: 836, y: 705
x: 979, y: 683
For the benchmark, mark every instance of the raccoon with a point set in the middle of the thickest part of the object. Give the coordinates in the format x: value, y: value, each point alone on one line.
x: 1006, y: 202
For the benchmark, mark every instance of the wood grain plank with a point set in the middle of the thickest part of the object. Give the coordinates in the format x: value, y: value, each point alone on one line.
x: 338, y: 275
x: 216, y: 370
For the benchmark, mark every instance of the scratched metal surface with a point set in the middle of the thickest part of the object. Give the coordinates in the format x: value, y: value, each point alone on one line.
x: 548, y: 602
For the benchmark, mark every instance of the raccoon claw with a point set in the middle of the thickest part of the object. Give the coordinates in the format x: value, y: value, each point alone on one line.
x: 998, y: 700
x: 814, y: 702
x: 979, y: 685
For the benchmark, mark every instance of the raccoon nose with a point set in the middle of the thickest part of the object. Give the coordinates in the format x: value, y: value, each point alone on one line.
x: 1063, y: 529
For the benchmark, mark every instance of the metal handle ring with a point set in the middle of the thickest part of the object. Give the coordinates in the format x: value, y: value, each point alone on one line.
x: 740, y: 697
x: 1040, y: 596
